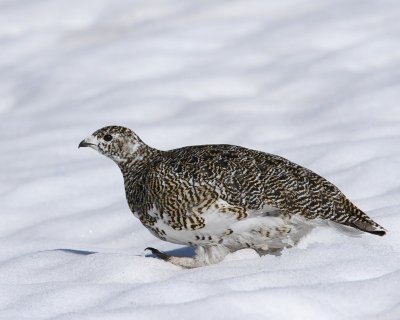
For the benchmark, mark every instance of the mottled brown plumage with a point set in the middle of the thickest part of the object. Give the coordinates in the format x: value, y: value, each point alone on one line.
x: 193, y: 195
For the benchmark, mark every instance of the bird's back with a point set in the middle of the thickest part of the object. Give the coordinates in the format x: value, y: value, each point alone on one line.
x: 190, y: 179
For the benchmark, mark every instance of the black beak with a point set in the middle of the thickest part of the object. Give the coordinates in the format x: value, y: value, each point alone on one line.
x: 84, y: 144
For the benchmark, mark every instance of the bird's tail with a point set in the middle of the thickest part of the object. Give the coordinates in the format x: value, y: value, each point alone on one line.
x: 359, y: 220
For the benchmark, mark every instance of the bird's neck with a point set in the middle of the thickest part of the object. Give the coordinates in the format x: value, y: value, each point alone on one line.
x: 136, y: 162
x: 134, y: 171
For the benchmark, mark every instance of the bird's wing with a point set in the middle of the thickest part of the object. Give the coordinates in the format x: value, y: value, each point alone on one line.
x: 189, y: 180
x: 193, y: 178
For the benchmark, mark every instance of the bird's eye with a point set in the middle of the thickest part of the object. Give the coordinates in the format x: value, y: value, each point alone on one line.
x: 107, y: 137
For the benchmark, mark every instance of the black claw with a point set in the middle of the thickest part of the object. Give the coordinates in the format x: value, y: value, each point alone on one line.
x: 153, y: 251
x: 158, y: 253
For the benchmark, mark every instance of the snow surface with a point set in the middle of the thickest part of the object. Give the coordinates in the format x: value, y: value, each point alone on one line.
x: 315, y: 81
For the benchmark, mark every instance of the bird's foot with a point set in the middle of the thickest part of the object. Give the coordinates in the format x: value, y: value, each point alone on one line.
x: 159, y: 254
x: 185, y: 262
x: 204, y: 256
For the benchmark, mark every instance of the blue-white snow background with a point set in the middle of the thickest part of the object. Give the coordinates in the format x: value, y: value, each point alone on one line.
x: 315, y: 81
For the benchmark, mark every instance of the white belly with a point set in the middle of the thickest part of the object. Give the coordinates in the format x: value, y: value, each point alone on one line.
x: 262, y: 230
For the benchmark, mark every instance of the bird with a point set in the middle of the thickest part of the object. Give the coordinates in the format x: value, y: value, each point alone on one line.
x: 220, y: 198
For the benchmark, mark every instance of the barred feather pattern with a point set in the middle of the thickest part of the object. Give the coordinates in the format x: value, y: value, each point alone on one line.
x: 184, y: 183
x: 178, y: 193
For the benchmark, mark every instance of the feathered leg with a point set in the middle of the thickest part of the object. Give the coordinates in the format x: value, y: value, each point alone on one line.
x: 205, y: 255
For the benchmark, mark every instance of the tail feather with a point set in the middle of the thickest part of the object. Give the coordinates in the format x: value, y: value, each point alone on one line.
x: 359, y: 220
x: 368, y: 226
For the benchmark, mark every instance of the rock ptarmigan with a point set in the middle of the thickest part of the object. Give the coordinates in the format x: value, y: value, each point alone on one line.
x: 222, y: 198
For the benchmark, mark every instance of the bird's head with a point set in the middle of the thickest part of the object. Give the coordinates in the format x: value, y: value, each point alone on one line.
x: 117, y: 143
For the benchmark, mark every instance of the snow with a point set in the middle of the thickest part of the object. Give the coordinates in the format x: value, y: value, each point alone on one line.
x: 314, y: 81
